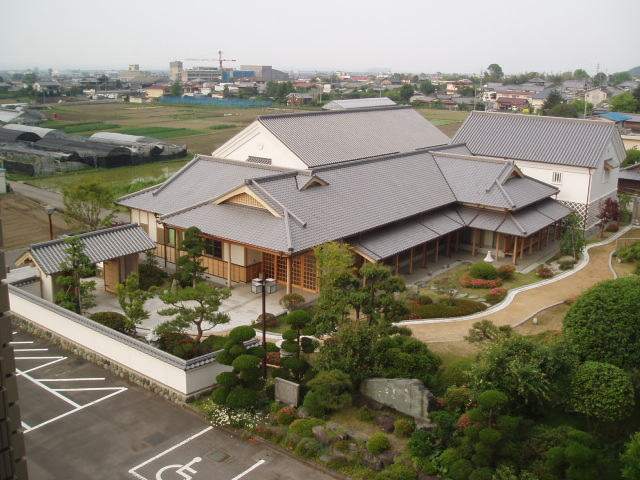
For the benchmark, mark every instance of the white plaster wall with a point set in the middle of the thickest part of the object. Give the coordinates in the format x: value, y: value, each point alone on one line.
x: 575, y: 181
x: 253, y: 257
x: 237, y: 255
x: 257, y: 141
x: 177, y: 379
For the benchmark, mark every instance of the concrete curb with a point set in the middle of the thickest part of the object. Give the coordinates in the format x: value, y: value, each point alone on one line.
x: 512, y: 293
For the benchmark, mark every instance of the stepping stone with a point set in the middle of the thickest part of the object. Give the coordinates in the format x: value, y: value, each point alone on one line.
x: 434, y: 288
x: 473, y: 297
x: 484, y: 300
x: 462, y: 295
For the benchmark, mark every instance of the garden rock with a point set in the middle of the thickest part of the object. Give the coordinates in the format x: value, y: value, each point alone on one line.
x: 388, y: 457
x: 333, y: 427
x: 371, y: 461
x: 321, y: 435
x: 302, y: 413
x: 339, y: 457
x: 356, y: 435
x: 385, y: 422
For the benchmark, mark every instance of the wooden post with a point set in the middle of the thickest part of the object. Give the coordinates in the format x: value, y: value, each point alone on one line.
x: 530, y: 244
x: 424, y: 254
x: 411, y: 261
x: 437, y: 248
x: 449, y: 245
x: 473, y: 247
x: 522, y: 248
x: 289, y: 279
x: 497, y: 245
x: 457, y: 240
x: 540, y: 240
x: 515, y: 249
x: 228, y: 264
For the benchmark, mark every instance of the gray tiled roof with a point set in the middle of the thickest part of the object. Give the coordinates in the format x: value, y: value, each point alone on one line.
x: 100, y: 245
x: 563, y: 141
x: 323, y: 138
x: 359, y: 103
x: 198, y: 181
x: 630, y: 173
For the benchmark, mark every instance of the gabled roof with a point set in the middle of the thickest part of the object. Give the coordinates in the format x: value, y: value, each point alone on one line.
x: 630, y: 173
x: 562, y: 141
x: 99, y: 246
x: 323, y: 138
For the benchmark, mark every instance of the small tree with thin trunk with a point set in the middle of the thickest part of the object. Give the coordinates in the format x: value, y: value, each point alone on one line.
x: 88, y: 203
x: 76, y: 295
x: 572, y: 241
x: 608, y: 211
x: 132, y: 299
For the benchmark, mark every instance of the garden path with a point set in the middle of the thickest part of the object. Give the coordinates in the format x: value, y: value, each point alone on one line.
x: 526, y: 303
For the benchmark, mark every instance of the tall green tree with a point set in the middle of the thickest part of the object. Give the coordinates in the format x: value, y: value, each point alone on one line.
x: 194, y: 306
x: 76, y: 295
x: 427, y: 87
x: 494, y: 73
x: 405, y: 92
x: 554, y: 98
x: 189, y: 268
x: 633, y: 157
x: 176, y: 89
x: 619, y: 77
x: 572, y: 241
x: 89, y: 203
x: 380, y: 286
x: 581, y: 74
x: 625, y: 103
x: 602, y: 324
x: 602, y: 393
x: 132, y: 299
x: 599, y: 79
x: 30, y: 78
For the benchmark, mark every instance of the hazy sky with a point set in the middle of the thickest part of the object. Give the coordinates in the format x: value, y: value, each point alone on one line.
x: 414, y: 36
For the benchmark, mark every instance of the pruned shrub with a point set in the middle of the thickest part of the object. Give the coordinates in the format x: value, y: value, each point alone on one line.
x: 468, y: 281
x: 544, y: 272
x: 308, y: 448
x: 612, y: 227
x: 365, y: 414
x: 496, y: 295
x: 629, y: 253
x: 243, y: 398
x: 483, y: 270
x: 506, y: 272
x: 272, y: 320
x: 285, y: 416
x: 304, y: 426
x: 422, y: 443
x: 114, y: 320
x: 444, y: 310
x: 424, y: 300
x: 378, y: 443
x: 291, y: 301
x: 403, y: 428
x: 219, y: 395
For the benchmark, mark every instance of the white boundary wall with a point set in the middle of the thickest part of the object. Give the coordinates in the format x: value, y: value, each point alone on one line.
x: 183, y: 378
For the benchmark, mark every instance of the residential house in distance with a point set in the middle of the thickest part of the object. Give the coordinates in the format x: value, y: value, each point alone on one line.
x: 384, y: 180
x: 157, y: 91
x: 50, y: 88
x: 580, y: 157
x: 598, y: 95
x: 629, y: 180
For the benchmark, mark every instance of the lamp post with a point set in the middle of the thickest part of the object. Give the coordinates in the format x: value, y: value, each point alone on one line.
x: 264, y: 286
x: 49, y: 209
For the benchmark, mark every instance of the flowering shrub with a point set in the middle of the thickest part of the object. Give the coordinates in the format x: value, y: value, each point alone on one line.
x: 496, y: 295
x: 273, y: 358
x: 468, y: 281
x: 285, y: 416
x: 571, y: 299
x: 272, y: 320
x: 544, y: 272
x: 506, y: 272
x: 222, y: 415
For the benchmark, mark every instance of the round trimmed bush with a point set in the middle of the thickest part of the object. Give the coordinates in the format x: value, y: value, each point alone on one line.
x: 365, y: 414
x: 304, y: 426
x: 402, y: 428
x: 291, y: 301
x: 422, y: 443
x: 285, y: 416
x: 219, y: 395
x: 506, y: 272
x: 483, y: 270
x: 246, y: 362
x: 544, y: 272
x: 424, y: 300
x: 227, y: 379
x: 113, y: 320
x: 308, y: 448
x: 243, y: 398
x: 241, y: 334
x: 378, y: 443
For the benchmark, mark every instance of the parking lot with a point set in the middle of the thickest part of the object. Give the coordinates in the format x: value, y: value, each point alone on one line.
x: 84, y: 422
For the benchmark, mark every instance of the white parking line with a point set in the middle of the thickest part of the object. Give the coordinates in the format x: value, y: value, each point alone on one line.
x: 71, y: 379
x: 258, y: 463
x: 30, y: 349
x: 137, y: 475
x: 57, y: 359
x: 40, y: 384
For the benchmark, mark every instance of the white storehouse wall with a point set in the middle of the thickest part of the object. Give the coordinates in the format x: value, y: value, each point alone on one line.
x: 173, y: 377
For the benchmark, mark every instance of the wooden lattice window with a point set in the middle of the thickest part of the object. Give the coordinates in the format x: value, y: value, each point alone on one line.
x: 309, y: 272
x: 282, y: 269
x: 245, y: 199
x: 269, y: 265
x: 296, y: 271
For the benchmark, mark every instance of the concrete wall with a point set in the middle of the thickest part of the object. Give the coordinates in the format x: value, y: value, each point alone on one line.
x: 175, y: 378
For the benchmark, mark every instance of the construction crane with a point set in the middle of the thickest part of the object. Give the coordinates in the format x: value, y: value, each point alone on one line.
x: 220, y: 59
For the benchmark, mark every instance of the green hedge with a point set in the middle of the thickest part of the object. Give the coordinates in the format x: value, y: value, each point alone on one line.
x: 444, y: 310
